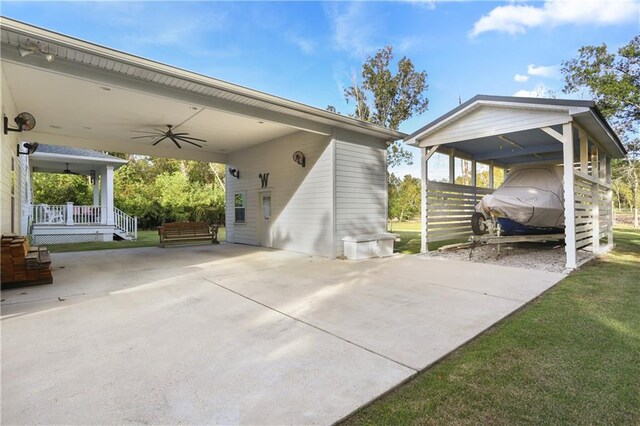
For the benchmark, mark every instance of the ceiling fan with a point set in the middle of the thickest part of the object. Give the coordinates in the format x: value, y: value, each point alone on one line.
x: 168, y: 134
x: 66, y: 171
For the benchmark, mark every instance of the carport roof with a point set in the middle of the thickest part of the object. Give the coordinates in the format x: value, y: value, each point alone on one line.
x: 532, y: 142
x: 108, y: 93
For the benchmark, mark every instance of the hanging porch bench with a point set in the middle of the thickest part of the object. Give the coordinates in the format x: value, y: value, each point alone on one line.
x: 187, y: 232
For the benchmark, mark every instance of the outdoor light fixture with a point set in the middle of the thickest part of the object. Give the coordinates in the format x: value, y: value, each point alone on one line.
x: 31, y: 148
x: 24, y: 120
x: 33, y: 48
x: 235, y: 173
x: 299, y: 158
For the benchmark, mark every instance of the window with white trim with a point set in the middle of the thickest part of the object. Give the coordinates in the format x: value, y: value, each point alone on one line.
x: 241, y: 207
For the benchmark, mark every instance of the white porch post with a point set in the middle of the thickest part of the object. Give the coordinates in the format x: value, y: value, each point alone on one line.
x: 69, y: 213
x: 96, y: 189
x: 569, y: 196
x: 106, y: 195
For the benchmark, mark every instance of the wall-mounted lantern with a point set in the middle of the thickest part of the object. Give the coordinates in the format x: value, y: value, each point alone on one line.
x: 299, y: 158
x: 235, y: 173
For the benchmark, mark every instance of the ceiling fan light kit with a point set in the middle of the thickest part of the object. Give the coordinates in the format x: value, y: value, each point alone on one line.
x: 169, y: 134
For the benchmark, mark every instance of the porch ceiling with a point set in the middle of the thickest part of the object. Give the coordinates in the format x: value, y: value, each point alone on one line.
x: 94, y: 97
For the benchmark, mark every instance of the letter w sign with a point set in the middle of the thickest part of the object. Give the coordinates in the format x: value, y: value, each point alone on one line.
x: 264, y: 179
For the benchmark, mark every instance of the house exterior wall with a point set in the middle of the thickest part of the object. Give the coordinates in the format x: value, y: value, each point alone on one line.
x: 360, y: 187
x: 301, y: 198
x: 341, y: 191
x: 11, y: 187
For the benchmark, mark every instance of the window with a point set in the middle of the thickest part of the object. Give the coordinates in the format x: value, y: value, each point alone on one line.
x: 482, y: 175
x: 241, y: 205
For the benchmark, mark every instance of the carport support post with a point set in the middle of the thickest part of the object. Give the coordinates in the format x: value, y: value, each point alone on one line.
x: 609, y: 203
x: 423, y: 200
x: 569, y: 196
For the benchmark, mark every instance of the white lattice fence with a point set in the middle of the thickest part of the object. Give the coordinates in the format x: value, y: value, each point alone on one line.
x: 65, y: 239
x: 449, y: 209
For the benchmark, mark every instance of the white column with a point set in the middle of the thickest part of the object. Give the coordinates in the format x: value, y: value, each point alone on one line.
x: 423, y: 200
x: 569, y: 196
x: 452, y: 166
x: 96, y: 189
x: 69, y: 213
x: 106, y: 195
x: 584, y: 152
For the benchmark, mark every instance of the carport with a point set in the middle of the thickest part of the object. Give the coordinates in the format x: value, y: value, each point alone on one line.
x: 298, y: 178
x: 492, y: 133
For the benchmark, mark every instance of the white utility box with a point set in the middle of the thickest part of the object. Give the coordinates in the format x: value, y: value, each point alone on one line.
x: 368, y: 246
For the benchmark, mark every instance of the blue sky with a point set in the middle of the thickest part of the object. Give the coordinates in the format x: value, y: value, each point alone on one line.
x: 308, y: 51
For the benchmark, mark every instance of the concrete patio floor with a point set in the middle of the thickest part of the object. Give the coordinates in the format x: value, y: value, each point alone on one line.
x: 236, y: 334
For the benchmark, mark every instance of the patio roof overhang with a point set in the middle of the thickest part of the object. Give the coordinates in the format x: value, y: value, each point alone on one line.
x: 93, y: 97
x: 511, y: 130
x: 57, y: 159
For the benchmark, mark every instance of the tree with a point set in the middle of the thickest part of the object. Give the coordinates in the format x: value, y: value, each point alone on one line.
x: 613, y: 81
x: 404, y: 197
x: 387, y: 99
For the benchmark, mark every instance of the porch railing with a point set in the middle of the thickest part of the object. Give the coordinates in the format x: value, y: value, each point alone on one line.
x: 125, y: 222
x: 69, y: 214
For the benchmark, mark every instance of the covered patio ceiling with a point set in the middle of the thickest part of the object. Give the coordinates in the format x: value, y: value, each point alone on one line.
x: 94, y: 97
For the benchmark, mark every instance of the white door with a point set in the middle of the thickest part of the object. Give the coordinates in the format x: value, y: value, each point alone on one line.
x: 265, y: 220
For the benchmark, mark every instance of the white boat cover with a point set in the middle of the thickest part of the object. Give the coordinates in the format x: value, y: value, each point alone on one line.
x: 530, y: 195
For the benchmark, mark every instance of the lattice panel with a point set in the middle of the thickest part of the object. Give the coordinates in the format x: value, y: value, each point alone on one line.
x: 66, y: 239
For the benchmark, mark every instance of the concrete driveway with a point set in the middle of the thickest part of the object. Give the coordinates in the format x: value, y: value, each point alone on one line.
x: 236, y: 334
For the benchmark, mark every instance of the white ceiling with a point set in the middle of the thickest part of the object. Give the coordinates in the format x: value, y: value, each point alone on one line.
x: 75, y: 111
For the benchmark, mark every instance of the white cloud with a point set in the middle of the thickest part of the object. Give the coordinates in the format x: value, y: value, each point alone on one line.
x: 540, y: 91
x: 551, y: 71
x: 516, y: 19
x: 353, y: 29
x: 520, y: 78
x: 304, y: 44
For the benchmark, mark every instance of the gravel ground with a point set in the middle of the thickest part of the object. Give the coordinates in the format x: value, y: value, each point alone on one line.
x: 547, y: 257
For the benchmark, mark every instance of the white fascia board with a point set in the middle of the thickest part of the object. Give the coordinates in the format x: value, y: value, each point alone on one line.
x: 64, y: 158
x: 323, y: 116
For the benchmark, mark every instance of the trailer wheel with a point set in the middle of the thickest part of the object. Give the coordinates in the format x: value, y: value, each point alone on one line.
x: 478, y: 224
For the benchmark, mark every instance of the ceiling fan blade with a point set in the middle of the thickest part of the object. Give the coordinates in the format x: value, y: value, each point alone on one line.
x: 176, y: 142
x: 144, y: 131
x: 159, y: 140
x: 192, y: 143
x: 193, y: 139
x: 147, y: 136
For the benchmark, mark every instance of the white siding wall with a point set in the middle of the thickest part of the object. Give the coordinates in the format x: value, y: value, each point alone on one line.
x: 361, y: 187
x: 490, y: 121
x: 302, y: 210
x: 7, y: 152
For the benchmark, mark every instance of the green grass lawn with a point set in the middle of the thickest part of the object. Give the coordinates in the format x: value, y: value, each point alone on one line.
x: 572, y: 356
x: 409, y: 233
x: 145, y: 239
